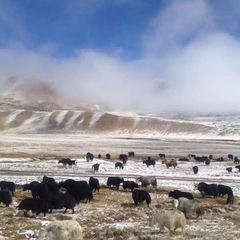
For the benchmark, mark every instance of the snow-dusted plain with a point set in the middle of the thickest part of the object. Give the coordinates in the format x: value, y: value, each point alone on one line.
x: 26, y: 170
x: 112, y: 214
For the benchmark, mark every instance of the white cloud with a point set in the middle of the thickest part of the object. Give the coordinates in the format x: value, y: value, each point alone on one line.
x: 189, y: 64
x: 175, y: 25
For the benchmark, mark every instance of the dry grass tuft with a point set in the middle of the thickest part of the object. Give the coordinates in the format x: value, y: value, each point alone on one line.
x: 113, y: 215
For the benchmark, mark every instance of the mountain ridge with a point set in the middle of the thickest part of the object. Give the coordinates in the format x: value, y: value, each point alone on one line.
x: 35, y: 107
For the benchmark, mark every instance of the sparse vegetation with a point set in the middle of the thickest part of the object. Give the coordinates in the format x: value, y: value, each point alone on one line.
x: 112, y: 215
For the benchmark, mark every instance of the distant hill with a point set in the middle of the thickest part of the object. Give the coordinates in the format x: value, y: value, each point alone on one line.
x: 37, y: 108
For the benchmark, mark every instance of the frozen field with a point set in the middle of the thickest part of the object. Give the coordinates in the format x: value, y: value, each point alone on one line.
x: 112, y: 215
x: 76, y: 145
x: 27, y: 170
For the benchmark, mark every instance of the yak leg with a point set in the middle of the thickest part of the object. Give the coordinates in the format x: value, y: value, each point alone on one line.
x: 161, y: 227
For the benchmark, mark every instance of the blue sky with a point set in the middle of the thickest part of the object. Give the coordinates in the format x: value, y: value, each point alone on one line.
x: 69, y: 25
x: 107, y: 25
x: 147, y: 55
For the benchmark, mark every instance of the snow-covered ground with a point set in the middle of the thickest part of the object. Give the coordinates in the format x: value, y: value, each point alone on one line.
x: 228, y: 125
x: 113, y: 212
x: 112, y: 215
x: 25, y: 170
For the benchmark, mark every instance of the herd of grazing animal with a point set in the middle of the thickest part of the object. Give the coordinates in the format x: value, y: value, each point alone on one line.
x: 49, y: 195
x: 215, y: 191
x: 123, y: 161
x: 207, y: 161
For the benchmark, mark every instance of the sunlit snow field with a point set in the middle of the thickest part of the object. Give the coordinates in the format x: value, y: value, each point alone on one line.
x: 26, y: 170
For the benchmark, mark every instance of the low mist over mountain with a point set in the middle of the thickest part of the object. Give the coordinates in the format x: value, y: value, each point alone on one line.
x: 37, y: 108
x: 34, y: 94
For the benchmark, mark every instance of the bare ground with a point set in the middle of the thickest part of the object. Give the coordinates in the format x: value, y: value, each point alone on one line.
x: 112, y: 215
x: 67, y: 145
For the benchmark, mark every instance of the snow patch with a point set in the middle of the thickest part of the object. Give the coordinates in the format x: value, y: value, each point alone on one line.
x: 72, y: 119
x: 96, y: 116
x: 13, y: 116
x: 124, y: 225
x: 180, y: 178
x: 61, y: 116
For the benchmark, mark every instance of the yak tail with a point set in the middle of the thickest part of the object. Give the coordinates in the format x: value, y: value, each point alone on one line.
x: 155, y: 182
x: 148, y: 199
x: 200, y: 211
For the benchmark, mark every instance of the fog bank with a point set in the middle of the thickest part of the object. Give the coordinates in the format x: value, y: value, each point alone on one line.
x: 189, y: 63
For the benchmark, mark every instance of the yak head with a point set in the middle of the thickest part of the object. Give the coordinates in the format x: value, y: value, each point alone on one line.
x: 26, y: 187
x: 138, y: 179
x: 170, y: 194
